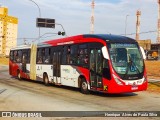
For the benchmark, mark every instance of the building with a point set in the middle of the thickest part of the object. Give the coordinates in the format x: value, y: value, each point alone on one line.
x: 146, y: 44
x: 8, y: 31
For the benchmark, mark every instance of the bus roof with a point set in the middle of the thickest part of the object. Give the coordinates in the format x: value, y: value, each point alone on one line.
x: 103, y: 38
x: 21, y: 47
x: 109, y: 38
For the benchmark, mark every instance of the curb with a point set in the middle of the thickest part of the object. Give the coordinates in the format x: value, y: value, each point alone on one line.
x: 153, y: 80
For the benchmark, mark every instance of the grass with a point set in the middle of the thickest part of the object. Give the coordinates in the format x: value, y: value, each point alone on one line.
x: 153, y: 69
x: 154, y: 87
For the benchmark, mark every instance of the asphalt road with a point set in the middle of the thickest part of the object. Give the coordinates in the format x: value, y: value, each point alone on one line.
x: 25, y: 95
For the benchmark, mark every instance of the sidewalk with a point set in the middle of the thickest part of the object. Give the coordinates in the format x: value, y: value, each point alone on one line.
x: 153, y: 80
x: 4, y: 72
x: 4, y: 67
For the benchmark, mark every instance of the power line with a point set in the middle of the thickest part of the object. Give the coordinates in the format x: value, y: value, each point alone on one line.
x: 141, y: 32
x: 22, y: 38
x: 26, y: 38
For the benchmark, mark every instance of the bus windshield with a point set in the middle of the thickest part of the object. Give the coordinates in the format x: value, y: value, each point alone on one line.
x: 126, y: 60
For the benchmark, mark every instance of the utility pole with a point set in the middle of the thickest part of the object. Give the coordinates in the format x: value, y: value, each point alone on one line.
x: 138, y: 14
x: 158, y: 25
x: 126, y: 25
x: 92, y: 18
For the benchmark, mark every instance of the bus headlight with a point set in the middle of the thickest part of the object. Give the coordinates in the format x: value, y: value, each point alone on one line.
x: 117, y: 80
x: 145, y: 78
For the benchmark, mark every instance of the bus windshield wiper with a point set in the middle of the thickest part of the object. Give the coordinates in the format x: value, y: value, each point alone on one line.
x: 133, y: 63
x: 129, y: 64
x: 136, y: 67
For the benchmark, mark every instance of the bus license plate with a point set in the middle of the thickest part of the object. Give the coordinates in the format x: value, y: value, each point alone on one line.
x: 134, y: 87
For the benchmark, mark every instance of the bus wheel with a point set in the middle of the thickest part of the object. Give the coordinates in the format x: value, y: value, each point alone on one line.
x: 45, y: 79
x: 84, y: 86
x: 18, y: 75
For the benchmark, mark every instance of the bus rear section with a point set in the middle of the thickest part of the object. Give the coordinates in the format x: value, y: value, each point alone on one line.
x: 19, y: 61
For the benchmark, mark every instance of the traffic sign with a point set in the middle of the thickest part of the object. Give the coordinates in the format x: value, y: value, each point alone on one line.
x: 45, y: 22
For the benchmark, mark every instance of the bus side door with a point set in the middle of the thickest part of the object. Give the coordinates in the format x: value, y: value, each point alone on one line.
x: 56, y: 66
x: 96, y: 68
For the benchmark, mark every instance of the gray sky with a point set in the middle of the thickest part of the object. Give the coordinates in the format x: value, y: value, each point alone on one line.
x: 74, y: 15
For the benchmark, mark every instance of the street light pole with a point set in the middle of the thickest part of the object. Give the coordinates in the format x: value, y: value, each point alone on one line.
x: 39, y: 14
x: 126, y: 25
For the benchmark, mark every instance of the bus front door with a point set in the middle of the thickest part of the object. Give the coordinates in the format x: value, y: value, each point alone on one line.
x: 96, y: 69
x: 56, y: 67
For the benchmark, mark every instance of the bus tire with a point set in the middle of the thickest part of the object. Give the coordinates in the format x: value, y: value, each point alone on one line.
x: 84, y: 87
x: 18, y: 75
x: 45, y: 80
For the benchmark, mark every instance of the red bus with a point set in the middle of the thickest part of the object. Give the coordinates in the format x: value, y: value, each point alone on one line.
x: 98, y: 62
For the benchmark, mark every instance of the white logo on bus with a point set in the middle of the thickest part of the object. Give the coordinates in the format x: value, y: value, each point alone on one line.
x: 64, y: 43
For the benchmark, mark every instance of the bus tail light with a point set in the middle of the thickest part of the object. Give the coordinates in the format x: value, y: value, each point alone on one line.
x: 117, y: 80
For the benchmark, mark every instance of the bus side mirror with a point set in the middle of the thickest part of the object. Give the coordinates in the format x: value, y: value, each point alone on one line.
x: 143, y: 53
x: 105, y: 52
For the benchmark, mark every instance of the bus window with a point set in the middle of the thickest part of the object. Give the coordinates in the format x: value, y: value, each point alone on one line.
x: 99, y: 62
x: 43, y: 54
x: 47, y: 56
x: 92, y: 60
x: 24, y: 61
x: 68, y: 55
x: 121, y: 55
x: 58, y: 63
x: 64, y: 54
x: 28, y: 55
x: 118, y: 55
x: 83, y: 55
x: 39, y: 57
x: 73, y: 55
x: 96, y: 63
x: 54, y: 63
x: 19, y: 59
x: 15, y: 56
x: 86, y: 59
x: 11, y: 55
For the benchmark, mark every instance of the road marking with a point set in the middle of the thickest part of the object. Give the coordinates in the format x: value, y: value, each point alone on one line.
x: 2, y: 90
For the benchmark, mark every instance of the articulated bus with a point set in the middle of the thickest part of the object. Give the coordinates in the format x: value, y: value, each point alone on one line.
x: 98, y: 62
